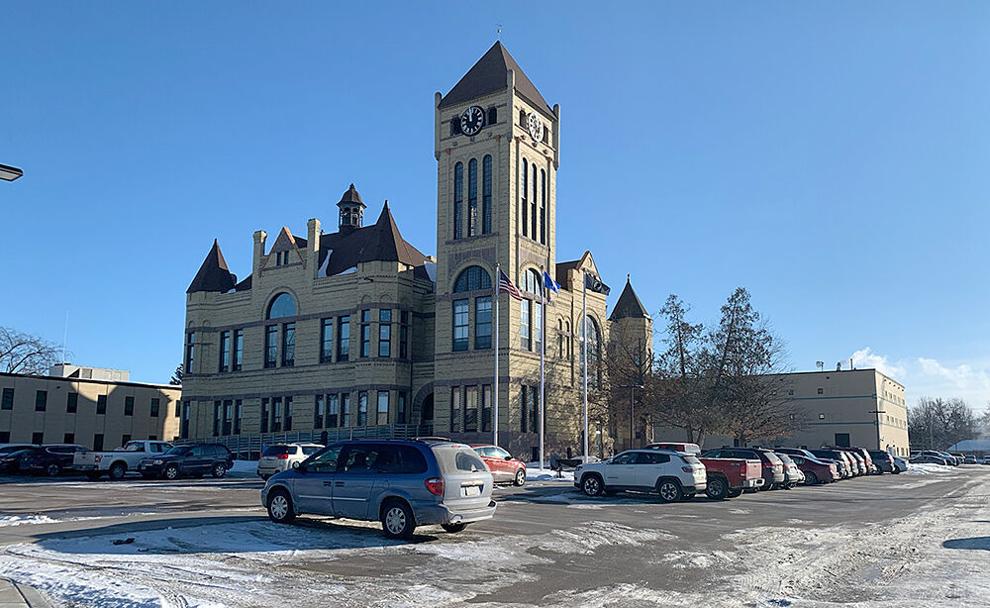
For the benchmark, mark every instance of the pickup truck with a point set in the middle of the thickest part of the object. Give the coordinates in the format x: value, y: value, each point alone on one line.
x: 117, y: 463
x: 727, y: 477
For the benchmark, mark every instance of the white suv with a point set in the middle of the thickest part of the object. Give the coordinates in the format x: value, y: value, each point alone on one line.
x: 672, y: 475
x: 280, y: 457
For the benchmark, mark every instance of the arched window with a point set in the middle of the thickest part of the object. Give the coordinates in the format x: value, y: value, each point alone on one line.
x: 472, y: 219
x: 284, y: 305
x: 531, y: 281
x: 543, y: 207
x: 486, y: 193
x: 532, y: 206
x: 531, y: 312
x: 473, y: 278
x: 524, y: 203
x: 560, y: 338
x: 458, y: 198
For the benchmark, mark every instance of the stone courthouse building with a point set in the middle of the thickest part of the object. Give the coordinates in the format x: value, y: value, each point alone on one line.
x: 351, y: 330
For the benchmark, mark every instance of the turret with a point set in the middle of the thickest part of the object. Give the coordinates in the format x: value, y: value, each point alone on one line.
x: 351, y: 210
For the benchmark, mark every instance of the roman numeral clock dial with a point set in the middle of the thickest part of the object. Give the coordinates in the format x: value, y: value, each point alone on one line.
x: 472, y: 120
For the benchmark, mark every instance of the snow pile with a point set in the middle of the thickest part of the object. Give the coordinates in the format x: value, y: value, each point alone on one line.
x: 586, y: 538
x: 21, y: 520
x: 535, y: 473
x: 244, y: 468
x: 929, y: 469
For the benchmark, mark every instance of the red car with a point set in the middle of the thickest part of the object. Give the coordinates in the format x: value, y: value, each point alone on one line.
x: 816, y: 471
x: 503, y: 467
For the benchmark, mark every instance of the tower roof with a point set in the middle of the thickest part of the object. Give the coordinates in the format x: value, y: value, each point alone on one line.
x: 380, y: 241
x: 628, y: 305
x: 351, y: 197
x: 213, y: 275
x: 490, y: 74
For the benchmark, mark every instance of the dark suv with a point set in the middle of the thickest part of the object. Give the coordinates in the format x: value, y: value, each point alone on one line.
x: 51, y: 460
x: 773, y: 467
x: 192, y: 460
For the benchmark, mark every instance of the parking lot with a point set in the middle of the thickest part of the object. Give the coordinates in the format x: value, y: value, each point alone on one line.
x: 917, y: 539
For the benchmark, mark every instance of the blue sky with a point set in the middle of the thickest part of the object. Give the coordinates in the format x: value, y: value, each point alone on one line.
x: 830, y: 157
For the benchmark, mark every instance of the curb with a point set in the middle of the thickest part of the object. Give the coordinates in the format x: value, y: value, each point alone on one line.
x: 14, y: 595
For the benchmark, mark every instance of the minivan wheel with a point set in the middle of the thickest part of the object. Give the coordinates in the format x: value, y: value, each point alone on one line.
x: 669, y: 491
x: 520, y: 478
x: 53, y: 470
x: 171, y: 472
x: 810, y: 479
x: 592, y: 485
x: 717, y: 488
x: 219, y: 470
x: 280, y: 508
x: 453, y: 528
x: 397, y: 520
x: 117, y: 471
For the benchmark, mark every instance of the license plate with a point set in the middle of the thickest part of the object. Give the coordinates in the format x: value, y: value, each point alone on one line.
x: 470, y: 491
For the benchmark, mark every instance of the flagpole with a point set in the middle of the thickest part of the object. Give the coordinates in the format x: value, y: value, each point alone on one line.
x: 584, y: 357
x: 543, y: 350
x: 498, y: 275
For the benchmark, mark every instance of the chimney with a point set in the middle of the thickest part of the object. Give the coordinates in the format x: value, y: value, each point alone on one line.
x: 838, y: 366
x: 313, y: 233
x: 259, y: 253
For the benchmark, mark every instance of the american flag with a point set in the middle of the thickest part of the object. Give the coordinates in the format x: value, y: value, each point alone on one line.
x: 504, y: 284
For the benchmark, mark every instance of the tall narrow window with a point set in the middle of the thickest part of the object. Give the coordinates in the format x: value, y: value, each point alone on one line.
x: 524, y: 192
x: 537, y: 326
x: 343, y: 337
x: 318, y: 412
x: 225, y: 351
x: 486, y: 408
x: 190, y: 351
x: 460, y: 322
x: 41, y: 401
x: 238, y: 355
x: 271, y: 345
x: 129, y: 405
x: 400, y: 409
x: 345, y: 409
x: 365, y: 333
x: 288, y: 344
x: 265, y: 413
x: 403, y: 334
x: 381, y: 417
x: 543, y: 207
x: 326, y: 340
x: 362, y: 413
x: 472, y: 218
x: 228, y: 417
x: 524, y: 324
x: 458, y: 198
x: 277, y: 415
x: 72, y: 403
x: 483, y: 322
x: 486, y: 194
x: 532, y: 206
x: 238, y: 416
x: 455, y: 409
x: 216, y: 418
x: 7, y: 402
x: 101, y: 404
x: 523, y: 409
x: 385, y: 332
x: 288, y: 413
x: 333, y: 412
x: 471, y: 409
x: 560, y: 338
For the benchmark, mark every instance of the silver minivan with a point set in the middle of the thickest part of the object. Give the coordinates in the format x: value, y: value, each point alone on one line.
x: 402, y: 483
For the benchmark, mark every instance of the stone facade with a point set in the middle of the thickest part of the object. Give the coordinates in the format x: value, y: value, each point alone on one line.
x: 436, y: 373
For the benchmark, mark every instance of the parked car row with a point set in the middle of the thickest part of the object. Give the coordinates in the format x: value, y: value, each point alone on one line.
x: 676, y: 471
x: 946, y: 458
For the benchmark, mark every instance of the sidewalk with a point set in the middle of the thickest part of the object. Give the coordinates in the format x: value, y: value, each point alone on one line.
x: 13, y: 595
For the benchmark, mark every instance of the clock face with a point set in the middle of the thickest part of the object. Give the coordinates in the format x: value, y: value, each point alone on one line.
x: 472, y: 120
x: 535, y: 126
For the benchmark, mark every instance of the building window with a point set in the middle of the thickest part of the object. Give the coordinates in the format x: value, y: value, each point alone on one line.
x: 362, y: 413
x: 98, y: 442
x: 238, y: 357
x: 277, y: 414
x: 184, y: 424
x: 71, y: 403
x: 385, y: 332
x: 156, y: 407
x: 129, y: 406
x: 471, y: 409
x: 288, y: 344
x: 124, y: 439
x: 381, y: 418
x: 265, y: 413
x: 455, y: 126
x: 492, y: 116
x: 326, y: 340
x: 333, y: 411
x: 594, y: 338
x: 288, y: 413
x: 486, y: 408
x: 483, y: 322
x: 473, y: 278
x: 283, y: 305
x: 525, y: 327
x: 228, y: 417
x: 458, y: 198
x: 472, y: 218
x: 365, y: 333
x: 460, y: 308
x: 38, y: 438
x: 40, y: 401
x: 455, y: 409
x: 560, y: 338
x: 486, y: 193
x: 404, y: 334
x: 238, y: 416
x: 7, y: 401
x: 821, y: 391
x: 532, y: 206
x: 224, y: 351
x: 523, y: 409
x: 4, y: 436
x: 318, y: 412
x: 101, y: 404
x: 271, y: 345
x: 543, y: 207
x: 190, y: 351
x: 400, y: 410
x: 69, y: 438
x: 345, y: 409
x: 524, y: 200
x: 343, y: 338
x: 216, y: 418
x: 538, y: 326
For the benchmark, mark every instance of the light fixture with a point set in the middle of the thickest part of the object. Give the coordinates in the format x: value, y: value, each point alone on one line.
x: 9, y: 173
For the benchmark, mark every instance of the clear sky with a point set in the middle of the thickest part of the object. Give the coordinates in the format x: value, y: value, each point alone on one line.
x: 834, y: 158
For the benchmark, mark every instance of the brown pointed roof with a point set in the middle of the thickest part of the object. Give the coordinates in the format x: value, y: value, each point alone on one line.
x: 213, y: 275
x: 628, y: 306
x: 490, y: 74
x: 351, y: 197
x: 381, y: 241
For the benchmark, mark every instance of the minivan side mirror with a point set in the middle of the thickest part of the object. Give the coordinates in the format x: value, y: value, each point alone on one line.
x: 508, y: 457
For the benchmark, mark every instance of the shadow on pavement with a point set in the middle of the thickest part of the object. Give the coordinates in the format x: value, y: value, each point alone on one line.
x: 978, y: 543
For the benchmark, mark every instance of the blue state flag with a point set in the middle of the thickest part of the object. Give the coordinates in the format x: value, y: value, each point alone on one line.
x: 550, y: 285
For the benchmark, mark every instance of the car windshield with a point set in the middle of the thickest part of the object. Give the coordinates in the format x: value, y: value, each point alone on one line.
x: 180, y: 450
x: 311, y: 449
x: 276, y: 450
x: 134, y: 446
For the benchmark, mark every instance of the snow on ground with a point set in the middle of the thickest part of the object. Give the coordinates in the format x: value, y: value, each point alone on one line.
x: 535, y: 473
x: 21, y: 520
x: 928, y: 469
x: 244, y: 468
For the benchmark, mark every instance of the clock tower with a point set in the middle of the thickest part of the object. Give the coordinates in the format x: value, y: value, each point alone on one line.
x: 497, y: 151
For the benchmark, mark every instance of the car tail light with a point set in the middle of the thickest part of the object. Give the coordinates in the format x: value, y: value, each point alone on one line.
x: 282, y: 457
x: 434, y: 485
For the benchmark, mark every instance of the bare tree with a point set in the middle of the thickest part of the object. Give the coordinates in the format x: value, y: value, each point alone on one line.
x: 22, y: 353
x: 938, y: 423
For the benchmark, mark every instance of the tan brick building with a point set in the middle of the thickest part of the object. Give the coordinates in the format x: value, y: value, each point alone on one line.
x: 356, y: 332
x: 100, y: 409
